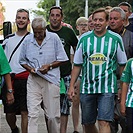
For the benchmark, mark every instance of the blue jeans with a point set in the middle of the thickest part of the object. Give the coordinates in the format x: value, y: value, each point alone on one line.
x: 97, y: 106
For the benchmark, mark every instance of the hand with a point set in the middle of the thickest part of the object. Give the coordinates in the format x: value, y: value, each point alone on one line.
x: 123, y: 109
x: 10, y: 98
x: 32, y: 71
x: 70, y: 93
x: 44, y: 69
x: 77, y: 87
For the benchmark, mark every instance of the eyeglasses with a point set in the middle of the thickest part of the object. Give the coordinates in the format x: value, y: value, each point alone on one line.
x: 82, y: 25
x: 23, y: 10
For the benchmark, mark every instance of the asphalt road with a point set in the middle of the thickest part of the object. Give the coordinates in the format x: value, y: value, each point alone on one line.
x: 4, y: 128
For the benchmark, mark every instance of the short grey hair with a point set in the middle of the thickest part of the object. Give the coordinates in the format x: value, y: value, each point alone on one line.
x: 39, y: 21
x: 121, y: 11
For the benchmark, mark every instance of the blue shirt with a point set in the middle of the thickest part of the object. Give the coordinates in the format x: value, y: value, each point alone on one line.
x: 49, y: 51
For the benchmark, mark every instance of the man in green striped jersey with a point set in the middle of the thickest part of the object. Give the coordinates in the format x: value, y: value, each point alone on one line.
x: 127, y: 94
x: 97, y: 54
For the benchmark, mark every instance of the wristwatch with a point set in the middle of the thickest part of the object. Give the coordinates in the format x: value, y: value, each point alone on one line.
x: 50, y: 66
x: 9, y: 90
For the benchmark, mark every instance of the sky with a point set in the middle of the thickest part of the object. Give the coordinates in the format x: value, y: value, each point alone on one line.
x: 12, y: 6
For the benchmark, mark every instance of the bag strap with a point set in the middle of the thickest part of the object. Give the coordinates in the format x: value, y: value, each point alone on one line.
x: 17, y: 46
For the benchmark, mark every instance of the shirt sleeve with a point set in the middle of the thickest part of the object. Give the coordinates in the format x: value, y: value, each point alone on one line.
x: 78, y: 56
x: 60, y: 52
x: 127, y: 73
x: 74, y: 39
x: 121, y: 54
x: 4, y: 65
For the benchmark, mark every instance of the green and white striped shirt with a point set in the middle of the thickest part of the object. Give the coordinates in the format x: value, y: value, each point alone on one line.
x: 99, y: 57
x: 127, y: 76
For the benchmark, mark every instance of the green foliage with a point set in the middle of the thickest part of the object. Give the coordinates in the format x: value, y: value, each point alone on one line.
x: 74, y: 8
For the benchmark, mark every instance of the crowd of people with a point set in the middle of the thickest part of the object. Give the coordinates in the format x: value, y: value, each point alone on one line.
x: 55, y: 69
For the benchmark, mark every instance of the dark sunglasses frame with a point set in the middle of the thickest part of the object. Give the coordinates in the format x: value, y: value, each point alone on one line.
x: 56, y: 7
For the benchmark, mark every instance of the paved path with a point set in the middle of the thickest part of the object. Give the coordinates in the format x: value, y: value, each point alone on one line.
x: 4, y: 128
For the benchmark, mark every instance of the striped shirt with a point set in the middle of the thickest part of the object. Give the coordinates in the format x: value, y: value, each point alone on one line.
x: 99, y: 57
x: 127, y: 76
x: 51, y: 50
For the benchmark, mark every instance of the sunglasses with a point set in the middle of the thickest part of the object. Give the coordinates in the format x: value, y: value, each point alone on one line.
x: 56, y: 7
x: 82, y: 25
x: 125, y: 4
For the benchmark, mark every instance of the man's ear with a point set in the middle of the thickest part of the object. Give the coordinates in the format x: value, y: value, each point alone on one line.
x: 77, y: 27
x: 124, y: 21
x: 130, y: 13
x: 107, y: 22
x: 28, y: 21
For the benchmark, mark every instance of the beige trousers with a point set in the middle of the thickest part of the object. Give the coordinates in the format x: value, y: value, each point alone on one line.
x: 38, y: 90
